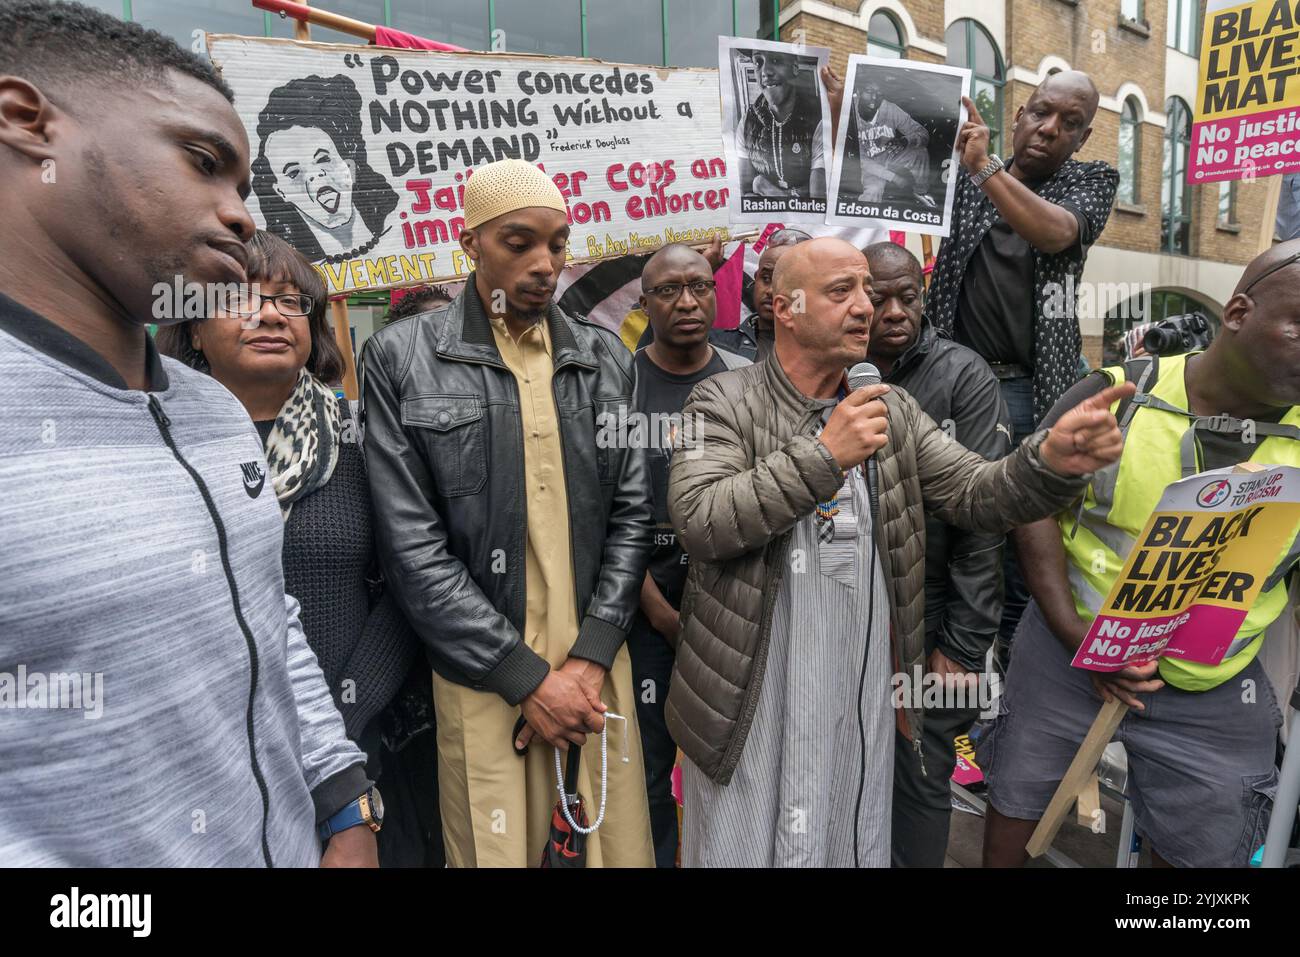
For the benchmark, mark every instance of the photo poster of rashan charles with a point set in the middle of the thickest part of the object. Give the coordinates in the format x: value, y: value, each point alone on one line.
x: 776, y: 129
x: 896, y: 162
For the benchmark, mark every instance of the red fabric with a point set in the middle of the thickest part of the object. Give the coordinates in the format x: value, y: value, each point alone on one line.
x: 730, y: 278
x: 899, y: 238
x: 566, y: 847
x: 768, y: 231
x: 387, y: 37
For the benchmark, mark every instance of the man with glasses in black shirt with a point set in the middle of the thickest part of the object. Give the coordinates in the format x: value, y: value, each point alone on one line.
x: 678, y: 295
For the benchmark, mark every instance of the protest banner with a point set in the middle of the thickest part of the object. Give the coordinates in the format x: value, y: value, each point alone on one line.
x: 776, y: 129
x: 360, y: 154
x: 1185, y: 589
x: 1196, y: 569
x: 895, y: 163
x: 1247, y: 114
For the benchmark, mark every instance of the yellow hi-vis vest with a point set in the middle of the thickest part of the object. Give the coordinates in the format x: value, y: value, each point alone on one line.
x: 1159, y: 449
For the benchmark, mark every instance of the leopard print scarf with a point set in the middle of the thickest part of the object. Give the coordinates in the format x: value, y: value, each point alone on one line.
x: 303, y: 446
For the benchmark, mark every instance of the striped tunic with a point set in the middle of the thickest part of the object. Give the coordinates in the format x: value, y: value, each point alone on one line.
x: 795, y: 794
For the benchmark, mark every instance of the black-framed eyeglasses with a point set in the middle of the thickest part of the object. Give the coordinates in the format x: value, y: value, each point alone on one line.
x: 1294, y: 257
x: 291, y: 305
x: 670, y: 291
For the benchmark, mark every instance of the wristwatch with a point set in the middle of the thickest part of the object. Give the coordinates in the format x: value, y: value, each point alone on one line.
x: 367, y: 809
x: 992, y: 166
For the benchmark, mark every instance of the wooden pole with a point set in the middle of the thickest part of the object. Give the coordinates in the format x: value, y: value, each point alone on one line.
x: 302, y: 29
x: 1088, y: 811
x: 343, y: 336
x: 302, y: 15
x: 1076, y: 776
x: 338, y: 307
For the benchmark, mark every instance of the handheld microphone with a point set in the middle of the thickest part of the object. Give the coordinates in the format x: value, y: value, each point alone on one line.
x: 860, y: 376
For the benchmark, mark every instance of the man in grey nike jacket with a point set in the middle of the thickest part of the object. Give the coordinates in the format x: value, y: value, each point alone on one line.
x: 159, y: 704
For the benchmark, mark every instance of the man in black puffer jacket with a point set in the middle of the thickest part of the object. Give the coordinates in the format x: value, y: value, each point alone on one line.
x: 963, y: 569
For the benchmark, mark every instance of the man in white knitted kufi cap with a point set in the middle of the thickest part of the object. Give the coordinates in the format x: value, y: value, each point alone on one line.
x: 515, y: 542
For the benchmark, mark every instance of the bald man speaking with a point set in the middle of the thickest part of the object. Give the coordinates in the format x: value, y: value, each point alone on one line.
x: 799, y: 599
x: 515, y: 542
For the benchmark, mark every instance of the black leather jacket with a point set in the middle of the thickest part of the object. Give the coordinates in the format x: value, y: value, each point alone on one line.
x: 444, y: 449
x: 963, y: 570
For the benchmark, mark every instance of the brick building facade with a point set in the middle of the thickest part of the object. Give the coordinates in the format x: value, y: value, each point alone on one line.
x: 1142, y: 56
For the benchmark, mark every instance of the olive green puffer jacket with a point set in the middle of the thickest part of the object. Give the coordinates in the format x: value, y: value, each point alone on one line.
x: 751, y: 468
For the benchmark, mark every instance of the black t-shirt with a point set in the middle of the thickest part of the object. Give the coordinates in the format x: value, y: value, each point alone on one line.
x: 996, y: 313
x: 1219, y: 450
x: 663, y: 392
x: 264, y: 429
x: 995, y: 309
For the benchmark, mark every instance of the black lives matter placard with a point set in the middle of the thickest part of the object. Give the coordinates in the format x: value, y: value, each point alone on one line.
x: 360, y: 154
x: 1248, y: 100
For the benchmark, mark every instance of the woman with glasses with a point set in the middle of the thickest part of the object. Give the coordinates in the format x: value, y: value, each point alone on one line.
x: 271, y: 345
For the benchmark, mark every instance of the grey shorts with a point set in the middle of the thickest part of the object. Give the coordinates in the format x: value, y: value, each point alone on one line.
x: 1201, y: 764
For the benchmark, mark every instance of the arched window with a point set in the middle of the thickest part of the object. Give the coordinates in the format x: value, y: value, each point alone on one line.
x: 1130, y: 151
x: 885, y: 36
x: 1176, y: 204
x: 970, y: 45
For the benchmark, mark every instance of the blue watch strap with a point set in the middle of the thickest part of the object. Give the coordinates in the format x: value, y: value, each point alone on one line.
x: 350, y: 816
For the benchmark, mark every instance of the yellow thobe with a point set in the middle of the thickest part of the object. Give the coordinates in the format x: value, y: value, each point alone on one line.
x: 496, y: 806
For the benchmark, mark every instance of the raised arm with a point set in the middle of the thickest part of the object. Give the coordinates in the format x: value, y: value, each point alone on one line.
x: 1047, y: 226
x: 1048, y: 471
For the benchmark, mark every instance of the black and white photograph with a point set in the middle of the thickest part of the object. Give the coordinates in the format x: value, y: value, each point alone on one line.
x: 314, y: 183
x: 895, y: 150
x: 776, y: 128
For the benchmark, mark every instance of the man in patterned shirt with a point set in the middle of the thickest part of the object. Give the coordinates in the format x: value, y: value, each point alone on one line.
x: 1004, y: 280
x: 1031, y: 221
